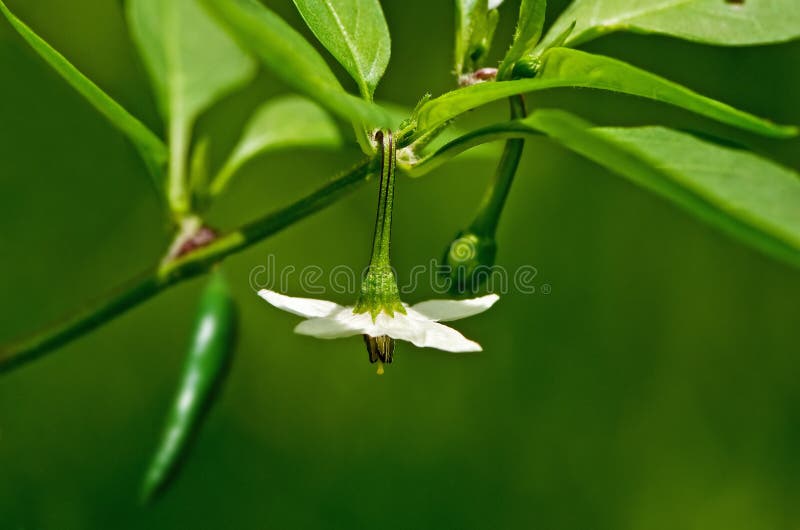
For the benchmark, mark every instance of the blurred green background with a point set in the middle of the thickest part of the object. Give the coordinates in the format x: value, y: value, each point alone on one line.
x: 656, y: 387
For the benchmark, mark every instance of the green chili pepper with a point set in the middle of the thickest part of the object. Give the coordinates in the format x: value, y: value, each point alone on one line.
x: 204, y: 370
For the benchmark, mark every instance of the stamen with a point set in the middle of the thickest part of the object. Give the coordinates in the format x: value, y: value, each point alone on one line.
x: 380, y: 349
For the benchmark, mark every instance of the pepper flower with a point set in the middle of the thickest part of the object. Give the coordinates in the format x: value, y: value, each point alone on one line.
x: 379, y: 315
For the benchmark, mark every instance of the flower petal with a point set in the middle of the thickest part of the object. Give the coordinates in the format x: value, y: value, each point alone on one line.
x: 454, y: 309
x: 422, y: 333
x: 304, y: 307
x: 342, y: 323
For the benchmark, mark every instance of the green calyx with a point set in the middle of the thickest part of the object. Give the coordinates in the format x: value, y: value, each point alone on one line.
x: 379, y: 287
x: 379, y: 293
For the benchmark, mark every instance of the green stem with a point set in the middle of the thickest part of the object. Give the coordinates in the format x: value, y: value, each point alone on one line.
x: 83, y: 322
x: 179, y: 138
x: 225, y: 174
x: 383, y: 222
x: 494, y: 199
x: 379, y: 288
x: 453, y: 148
x: 193, y: 264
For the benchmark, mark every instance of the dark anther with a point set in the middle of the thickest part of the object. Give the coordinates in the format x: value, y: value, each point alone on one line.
x: 380, y: 348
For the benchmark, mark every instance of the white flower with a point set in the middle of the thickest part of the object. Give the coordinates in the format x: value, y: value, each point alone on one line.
x: 379, y: 315
x: 420, y: 325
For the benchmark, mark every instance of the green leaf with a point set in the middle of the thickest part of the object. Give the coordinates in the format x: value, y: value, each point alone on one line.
x: 291, y: 57
x: 355, y: 32
x: 748, y: 197
x: 290, y: 121
x: 527, y: 34
x: 719, y: 22
x: 193, y: 63
x: 562, y: 67
x: 752, y: 199
x: 150, y: 146
x: 470, y: 14
x: 476, y: 21
x: 559, y: 40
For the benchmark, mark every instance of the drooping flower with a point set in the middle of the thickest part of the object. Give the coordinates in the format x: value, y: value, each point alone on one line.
x: 379, y: 314
x: 418, y: 324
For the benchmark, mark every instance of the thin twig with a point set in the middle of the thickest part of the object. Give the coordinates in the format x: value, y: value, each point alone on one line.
x: 193, y: 264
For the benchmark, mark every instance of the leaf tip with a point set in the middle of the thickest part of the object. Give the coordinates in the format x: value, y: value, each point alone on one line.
x: 782, y: 132
x: 790, y: 131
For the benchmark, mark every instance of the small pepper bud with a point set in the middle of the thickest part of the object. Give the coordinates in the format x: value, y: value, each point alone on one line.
x: 526, y: 68
x: 468, y: 259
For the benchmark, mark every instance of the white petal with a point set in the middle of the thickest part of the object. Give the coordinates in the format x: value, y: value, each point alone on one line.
x: 304, y: 307
x: 325, y: 328
x: 422, y: 333
x: 342, y: 323
x: 454, y: 309
x: 494, y: 4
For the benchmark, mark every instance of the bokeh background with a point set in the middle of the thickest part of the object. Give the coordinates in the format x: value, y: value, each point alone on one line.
x: 656, y: 387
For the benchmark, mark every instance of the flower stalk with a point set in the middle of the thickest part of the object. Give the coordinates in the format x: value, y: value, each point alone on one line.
x: 494, y: 199
x: 474, y: 250
x: 383, y: 222
x: 379, y: 290
x: 379, y: 315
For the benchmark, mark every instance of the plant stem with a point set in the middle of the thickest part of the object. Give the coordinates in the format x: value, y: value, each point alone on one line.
x: 445, y: 153
x: 383, y: 223
x: 488, y: 217
x: 193, y: 264
x: 179, y: 138
x: 83, y: 322
x: 379, y: 287
x: 220, y: 181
